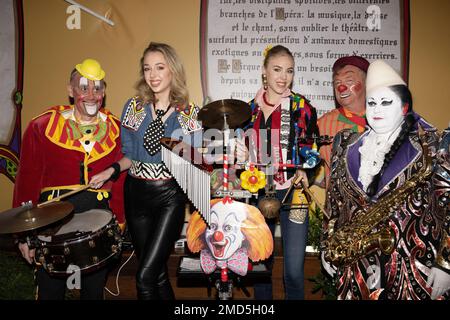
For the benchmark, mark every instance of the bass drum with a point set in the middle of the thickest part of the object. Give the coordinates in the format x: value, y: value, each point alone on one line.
x: 85, y: 242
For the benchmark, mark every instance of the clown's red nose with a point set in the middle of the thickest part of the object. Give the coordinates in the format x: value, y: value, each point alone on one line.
x: 218, y: 236
x: 341, y: 88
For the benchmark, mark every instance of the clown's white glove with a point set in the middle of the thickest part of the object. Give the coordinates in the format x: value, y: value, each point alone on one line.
x: 439, y: 281
x: 329, y: 268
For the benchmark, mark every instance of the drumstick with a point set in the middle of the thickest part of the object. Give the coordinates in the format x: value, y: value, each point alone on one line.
x: 296, y: 181
x: 312, y: 196
x: 40, y: 205
x: 287, y: 193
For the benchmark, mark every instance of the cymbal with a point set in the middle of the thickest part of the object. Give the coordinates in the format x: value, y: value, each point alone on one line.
x: 26, y: 218
x: 236, y: 112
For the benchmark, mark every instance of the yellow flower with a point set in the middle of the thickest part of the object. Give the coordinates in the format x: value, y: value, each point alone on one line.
x: 266, y: 50
x: 253, y: 180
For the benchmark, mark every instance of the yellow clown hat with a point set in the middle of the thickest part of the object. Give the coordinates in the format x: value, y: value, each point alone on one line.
x: 90, y: 69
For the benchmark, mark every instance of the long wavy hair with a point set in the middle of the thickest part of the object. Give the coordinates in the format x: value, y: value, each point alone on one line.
x: 179, y: 94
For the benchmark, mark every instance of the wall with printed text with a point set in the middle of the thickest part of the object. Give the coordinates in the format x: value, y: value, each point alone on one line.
x: 54, y: 44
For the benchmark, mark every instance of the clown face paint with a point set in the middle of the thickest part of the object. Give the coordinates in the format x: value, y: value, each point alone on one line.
x: 225, y: 235
x: 88, y: 97
x: 348, y: 84
x: 384, y: 110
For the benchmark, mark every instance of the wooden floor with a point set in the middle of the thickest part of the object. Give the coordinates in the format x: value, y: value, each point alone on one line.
x: 126, y: 280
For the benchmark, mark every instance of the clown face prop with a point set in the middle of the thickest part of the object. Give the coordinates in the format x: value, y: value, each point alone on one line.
x: 225, y: 235
x: 238, y: 232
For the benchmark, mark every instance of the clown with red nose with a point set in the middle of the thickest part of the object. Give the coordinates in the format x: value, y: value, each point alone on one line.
x: 349, y: 76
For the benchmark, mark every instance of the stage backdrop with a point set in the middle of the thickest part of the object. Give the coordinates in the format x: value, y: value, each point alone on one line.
x: 51, y: 50
x: 11, y: 71
x: 235, y: 33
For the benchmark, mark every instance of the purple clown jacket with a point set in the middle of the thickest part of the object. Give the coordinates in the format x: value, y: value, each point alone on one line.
x: 420, y: 223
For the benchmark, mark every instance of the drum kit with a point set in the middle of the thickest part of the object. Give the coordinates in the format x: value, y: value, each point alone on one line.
x: 64, y: 240
x: 194, y: 176
x: 231, y: 114
x: 88, y: 240
x: 29, y: 217
x: 187, y: 165
x: 224, y: 115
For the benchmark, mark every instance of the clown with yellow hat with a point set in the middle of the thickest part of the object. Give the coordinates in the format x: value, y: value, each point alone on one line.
x: 62, y: 150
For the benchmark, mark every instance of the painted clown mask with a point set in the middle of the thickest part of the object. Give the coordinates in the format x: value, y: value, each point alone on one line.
x: 349, y: 85
x: 88, y: 96
x: 384, y: 110
x: 225, y: 236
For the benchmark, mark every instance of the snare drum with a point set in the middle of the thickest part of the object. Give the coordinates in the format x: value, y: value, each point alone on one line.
x: 87, y: 241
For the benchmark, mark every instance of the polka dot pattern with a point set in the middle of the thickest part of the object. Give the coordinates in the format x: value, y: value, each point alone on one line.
x: 154, y: 132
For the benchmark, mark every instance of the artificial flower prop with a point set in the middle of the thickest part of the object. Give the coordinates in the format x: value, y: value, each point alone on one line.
x: 267, y: 49
x: 253, y: 180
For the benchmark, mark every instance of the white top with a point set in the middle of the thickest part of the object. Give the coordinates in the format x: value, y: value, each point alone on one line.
x: 373, y: 150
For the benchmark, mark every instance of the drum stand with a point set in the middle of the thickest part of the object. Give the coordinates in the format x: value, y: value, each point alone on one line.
x: 225, y: 192
x: 223, y: 115
x: 224, y: 285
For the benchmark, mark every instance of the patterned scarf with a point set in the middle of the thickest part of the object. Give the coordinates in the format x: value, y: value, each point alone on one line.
x: 358, y: 122
x: 279, y: 132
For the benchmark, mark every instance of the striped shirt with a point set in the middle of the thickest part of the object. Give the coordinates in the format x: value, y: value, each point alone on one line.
x: 330, y: 124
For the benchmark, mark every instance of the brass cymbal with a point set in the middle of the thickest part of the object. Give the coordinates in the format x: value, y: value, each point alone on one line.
x: 236, y: 112
x: 27, y: 218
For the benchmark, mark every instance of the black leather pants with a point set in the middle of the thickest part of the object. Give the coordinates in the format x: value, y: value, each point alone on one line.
x: 154, y: 212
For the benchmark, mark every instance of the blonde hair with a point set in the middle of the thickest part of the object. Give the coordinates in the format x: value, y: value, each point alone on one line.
x: 256, y: 232
x: 278, y: 50
x: 179, y: 94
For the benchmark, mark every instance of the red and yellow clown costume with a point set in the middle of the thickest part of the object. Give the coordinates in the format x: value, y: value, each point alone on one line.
x: 53, y: 157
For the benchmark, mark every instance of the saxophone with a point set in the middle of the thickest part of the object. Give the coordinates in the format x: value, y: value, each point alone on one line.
x: 355, y: 240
